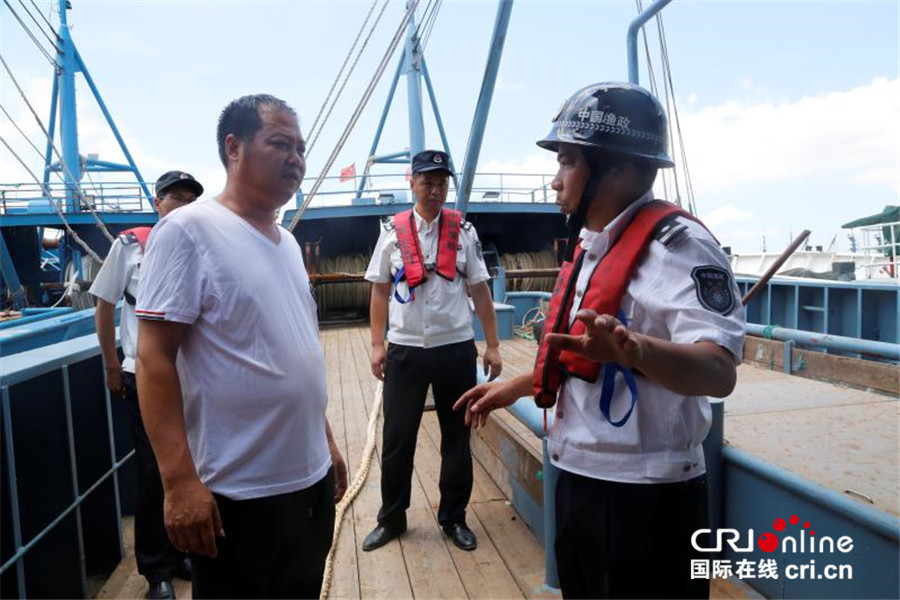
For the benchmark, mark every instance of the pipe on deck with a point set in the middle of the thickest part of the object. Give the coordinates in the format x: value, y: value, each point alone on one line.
x: 825, y: 340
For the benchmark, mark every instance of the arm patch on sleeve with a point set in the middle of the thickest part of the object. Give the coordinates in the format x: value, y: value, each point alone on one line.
x: 714, y: 290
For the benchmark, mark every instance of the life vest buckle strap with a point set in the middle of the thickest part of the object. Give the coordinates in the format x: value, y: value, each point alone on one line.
x: 400, y: 276
x: 609, y: 385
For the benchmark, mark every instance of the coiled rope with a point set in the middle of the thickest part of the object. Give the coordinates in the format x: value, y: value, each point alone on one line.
x: 529, y: 260
x: 531, y: 316
x: 355, y: 486
x: 343, y: 296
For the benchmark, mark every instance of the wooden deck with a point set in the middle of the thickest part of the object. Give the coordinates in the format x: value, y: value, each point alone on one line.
x: 509, y: 560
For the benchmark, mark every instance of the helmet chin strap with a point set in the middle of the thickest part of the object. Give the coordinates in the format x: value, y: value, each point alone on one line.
x: 575, y: 221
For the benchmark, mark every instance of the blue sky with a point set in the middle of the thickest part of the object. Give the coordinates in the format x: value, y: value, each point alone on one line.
x: 790, y: 110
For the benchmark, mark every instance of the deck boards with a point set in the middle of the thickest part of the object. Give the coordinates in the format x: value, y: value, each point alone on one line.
x: 508, y: 562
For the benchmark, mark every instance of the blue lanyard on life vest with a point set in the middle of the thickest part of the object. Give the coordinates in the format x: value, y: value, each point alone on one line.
x: 397, y: 296
x: 609, y: 384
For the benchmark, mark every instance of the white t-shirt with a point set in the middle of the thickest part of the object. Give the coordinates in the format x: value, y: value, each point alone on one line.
x: 120, y: 273
x: 440, y: 313
x: 667, y: 298
x: 251, y: 366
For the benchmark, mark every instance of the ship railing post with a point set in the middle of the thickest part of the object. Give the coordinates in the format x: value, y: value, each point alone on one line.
x: 13, y: 491
x: 712, y: 453
x: 73, y: 467
x: 115, y: 473
x: 787, y: 349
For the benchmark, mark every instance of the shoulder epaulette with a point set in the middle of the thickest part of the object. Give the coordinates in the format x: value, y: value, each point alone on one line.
x: 669, y: 230
x: 387, y: 223
x: 128, y: 238
x: 466, y: 225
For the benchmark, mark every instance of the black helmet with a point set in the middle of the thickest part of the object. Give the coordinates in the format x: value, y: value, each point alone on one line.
x: 619, y: 118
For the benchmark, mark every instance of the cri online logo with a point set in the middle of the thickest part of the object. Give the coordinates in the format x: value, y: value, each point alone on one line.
x: 768, y: 542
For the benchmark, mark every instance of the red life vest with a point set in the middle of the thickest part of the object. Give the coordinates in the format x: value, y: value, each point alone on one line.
x: 141, y: 234
x: 604, y: 295
x: 448, y: 243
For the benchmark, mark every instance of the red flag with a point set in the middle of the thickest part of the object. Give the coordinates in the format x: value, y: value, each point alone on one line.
x: 348, y: 173
x: 409, y: 173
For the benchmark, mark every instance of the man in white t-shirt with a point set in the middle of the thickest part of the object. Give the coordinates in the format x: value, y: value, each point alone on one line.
x: 157, y: 559
x: 231, y: 373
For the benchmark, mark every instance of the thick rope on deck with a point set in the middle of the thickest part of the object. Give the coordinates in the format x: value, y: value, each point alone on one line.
x: 355, y: 486
x: 529, y: 260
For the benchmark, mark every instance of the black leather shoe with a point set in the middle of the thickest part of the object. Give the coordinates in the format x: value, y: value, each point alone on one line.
x: 461, y: 535
x: 380, y: 536
x: 161, y: 589
x: 184, y: 569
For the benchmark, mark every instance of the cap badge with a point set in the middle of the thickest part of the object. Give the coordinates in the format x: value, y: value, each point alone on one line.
x: 437, y: 158
x: 184, y: 176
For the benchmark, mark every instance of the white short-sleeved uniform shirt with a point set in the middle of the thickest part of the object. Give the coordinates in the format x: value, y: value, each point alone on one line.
x: 120, y: 273
x: 251, y: 366
x: 669, y: 297
x: 440, y: 313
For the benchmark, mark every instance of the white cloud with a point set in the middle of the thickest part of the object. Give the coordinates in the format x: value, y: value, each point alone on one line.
x: 502, y: 86
x: 725, y: 214
x: 846, y: 136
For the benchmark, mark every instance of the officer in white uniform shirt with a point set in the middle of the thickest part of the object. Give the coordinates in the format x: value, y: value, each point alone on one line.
x: 157, y: 559
x: 425, y: 262
x: 645, y: 322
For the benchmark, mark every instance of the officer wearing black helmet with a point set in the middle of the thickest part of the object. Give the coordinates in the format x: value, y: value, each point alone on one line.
x: 645, y: 322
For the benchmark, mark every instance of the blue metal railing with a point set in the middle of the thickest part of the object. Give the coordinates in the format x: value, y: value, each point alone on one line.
x: 868, y: 310
x: 22, y: 370
x: 103, y: 196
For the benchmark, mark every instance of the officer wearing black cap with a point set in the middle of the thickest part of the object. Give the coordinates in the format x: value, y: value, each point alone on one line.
x: 645, y: 322
x: 425, y: 265
x: 157, y: 560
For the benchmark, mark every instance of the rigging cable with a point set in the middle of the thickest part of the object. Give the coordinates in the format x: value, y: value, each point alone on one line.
x: 62, y: 163
x: 19, y: 129
x: 59, y: 211
x: 669, y: 122
x: 653, y: 89
x: 30, y: 34
x: 356, y: 114
x: 359, y: 54
x: 419, y: 28
x: 41, y: 28
x: 689, y: 187
x: 434, y: 13
x: 45, y: 19
x: 341, y: 70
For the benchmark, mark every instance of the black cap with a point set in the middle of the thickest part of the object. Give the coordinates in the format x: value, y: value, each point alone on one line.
x: 177, y: 178
x: 431, y: 160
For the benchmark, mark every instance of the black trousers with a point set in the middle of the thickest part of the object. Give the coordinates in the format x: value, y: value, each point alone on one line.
x: 622, y: 540
x: 409, y: 370
x: 274, y: 547
x: 155, y: 555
